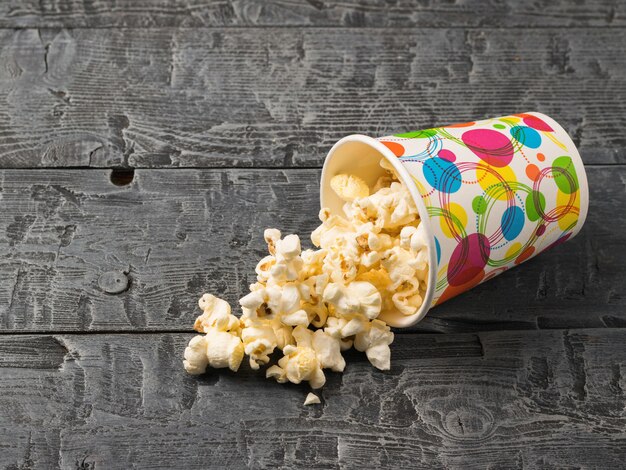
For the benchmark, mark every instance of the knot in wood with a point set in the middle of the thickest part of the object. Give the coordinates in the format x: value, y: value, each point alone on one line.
x: 468, y: 422
x: 113, y: 282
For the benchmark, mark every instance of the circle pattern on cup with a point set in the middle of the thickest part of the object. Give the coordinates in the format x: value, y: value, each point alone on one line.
x: 498, y: 191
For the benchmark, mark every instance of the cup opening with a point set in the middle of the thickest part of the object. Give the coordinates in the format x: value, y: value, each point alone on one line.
x: 359, y: 155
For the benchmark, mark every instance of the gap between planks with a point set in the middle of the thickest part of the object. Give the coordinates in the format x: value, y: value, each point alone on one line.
x: 173, y: 331
x: 312, y: 26
x: 191, y: 331
x: 174, y: 168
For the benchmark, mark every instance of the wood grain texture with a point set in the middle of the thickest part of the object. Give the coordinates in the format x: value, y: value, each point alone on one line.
x: 549, y: 399
x: 172, y: 235
x: 38, y: 352
x: 101, y: 270
x: 282, y: 97
x: 348, y: 13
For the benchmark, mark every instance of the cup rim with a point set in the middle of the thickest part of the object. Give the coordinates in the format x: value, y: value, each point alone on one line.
x: 405, y: 178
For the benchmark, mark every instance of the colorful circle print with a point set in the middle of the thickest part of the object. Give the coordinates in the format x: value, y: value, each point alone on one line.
x: 497, y: 192
x: 491, y: 146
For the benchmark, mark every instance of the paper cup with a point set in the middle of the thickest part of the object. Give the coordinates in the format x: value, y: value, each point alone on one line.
x: 491, y: 194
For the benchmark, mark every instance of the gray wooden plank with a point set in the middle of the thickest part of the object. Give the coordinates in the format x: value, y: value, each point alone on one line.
x: 548, y: 399
x: 282, y: 97
x: 348, y: 13
x: 172, y: 235
x: 38, y: 352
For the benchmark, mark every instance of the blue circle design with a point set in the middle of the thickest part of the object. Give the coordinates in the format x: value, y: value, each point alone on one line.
x: 512, y: 222
x: 438, y: 249
x: 442, y: 175
x: 526, y: 136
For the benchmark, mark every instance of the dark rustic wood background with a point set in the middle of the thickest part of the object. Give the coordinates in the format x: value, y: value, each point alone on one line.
x: 221, y: 114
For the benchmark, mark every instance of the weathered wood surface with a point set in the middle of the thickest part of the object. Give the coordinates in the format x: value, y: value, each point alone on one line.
x: 349, y: 13
x: 78, y: 253
x: 271, y: 97
x: 100, y: 280
x: 549, y: 399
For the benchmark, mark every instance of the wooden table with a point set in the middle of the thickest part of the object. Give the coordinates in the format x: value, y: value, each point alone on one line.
x: 221, y: 114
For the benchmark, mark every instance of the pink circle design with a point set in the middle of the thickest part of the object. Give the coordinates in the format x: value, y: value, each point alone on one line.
x: 536, y: 123
x: 447, y: 155
x: 468, y: 259
x: 493, y: 147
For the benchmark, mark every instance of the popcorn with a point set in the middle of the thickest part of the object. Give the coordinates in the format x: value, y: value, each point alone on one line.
x: 333, y: 227
x: 297, y: 365
x: 349, y: 187
x: 216, y: 314
x: 383, y: 182
x: 282, y: 302
x: 312, y: 261
x: 264, y: 268
x: 299, y: 317
x: 271, y: 236
x: 313, y: 352
x: 375, y: 339
x: 255, y: 305
x: 211, y: 303
x: 217, y: 349
x: 311, y: 399
x: 196, y: 360
x: 259, y: 342
x: 318, y: 313
x: 282, y: 333
x: 224, y: 350
x: 407, y: 298
x: 341, y: 266
x: 398, y: 263
x: 311, y: 305
x: 336, y: 327
x: 388, y: 208
x: 386, y: 164
x: 415, y: 239
x: 356, y: 299
x: 328, y: 350
x: 287, y: 262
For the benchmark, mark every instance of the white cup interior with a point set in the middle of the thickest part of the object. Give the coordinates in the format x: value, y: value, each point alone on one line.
x: 360, y: 155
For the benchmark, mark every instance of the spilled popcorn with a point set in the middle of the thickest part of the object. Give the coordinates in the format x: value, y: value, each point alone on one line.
x: 312, y: 399
x: 314, y: 304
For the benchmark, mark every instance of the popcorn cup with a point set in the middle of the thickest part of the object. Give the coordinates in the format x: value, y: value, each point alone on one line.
x: 492, y: 194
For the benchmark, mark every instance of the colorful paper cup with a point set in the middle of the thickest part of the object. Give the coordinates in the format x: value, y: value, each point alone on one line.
x: 491, y: 194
